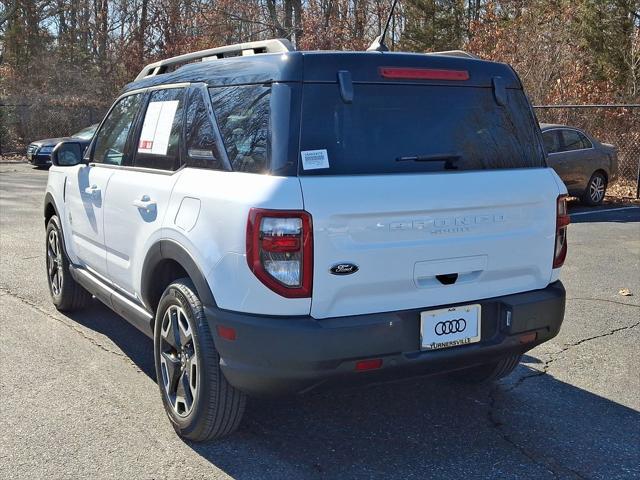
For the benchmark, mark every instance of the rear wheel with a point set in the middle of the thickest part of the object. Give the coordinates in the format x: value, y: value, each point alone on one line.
x: 596, y: 189
x: 197, y: 398
x: 67, y: 295
x: 489, y: 372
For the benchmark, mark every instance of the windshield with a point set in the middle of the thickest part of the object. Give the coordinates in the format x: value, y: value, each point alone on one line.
x: 415, y: 128
x: 86, y: 133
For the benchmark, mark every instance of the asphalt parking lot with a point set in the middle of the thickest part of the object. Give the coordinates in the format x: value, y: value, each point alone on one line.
x: 78, y: 397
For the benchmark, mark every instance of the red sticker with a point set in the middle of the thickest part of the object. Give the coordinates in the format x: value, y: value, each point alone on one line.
x: 146, y: 144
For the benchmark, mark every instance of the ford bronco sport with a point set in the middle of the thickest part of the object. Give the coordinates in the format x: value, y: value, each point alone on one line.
x: 277, y: 220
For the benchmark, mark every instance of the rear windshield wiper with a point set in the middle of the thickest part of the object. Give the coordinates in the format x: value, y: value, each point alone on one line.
x: 448, y: 158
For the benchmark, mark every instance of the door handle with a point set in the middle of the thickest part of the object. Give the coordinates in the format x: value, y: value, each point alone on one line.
x: 92, y: 190
x: 144, y: 203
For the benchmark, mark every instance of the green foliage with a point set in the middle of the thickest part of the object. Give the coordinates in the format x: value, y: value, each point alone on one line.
x: 432, y: 25
x: 605, y: 28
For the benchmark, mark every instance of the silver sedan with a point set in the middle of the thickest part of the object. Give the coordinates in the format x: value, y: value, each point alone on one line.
x: 585, y: 165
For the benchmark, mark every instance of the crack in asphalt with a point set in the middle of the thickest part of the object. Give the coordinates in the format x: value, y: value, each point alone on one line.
x: 548, y: 464
x: 592, y: 299
x: 71, y: 326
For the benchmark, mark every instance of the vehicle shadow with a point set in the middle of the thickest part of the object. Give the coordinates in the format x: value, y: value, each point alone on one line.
x: 528, y: 426
x: 619, y: 213
x: 133, y: 343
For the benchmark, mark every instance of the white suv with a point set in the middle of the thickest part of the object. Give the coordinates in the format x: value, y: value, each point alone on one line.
x: 285, y: 220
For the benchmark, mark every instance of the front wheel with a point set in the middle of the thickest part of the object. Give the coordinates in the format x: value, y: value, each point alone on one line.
x: 489, y: 372
x: 596, y: 189
x: 197, y: 398
x: 67, y: 295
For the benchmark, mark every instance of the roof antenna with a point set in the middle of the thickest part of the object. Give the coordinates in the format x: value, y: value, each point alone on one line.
x: 378, y: 44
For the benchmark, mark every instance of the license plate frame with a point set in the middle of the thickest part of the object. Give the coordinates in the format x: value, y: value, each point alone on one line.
x: 450, y: 327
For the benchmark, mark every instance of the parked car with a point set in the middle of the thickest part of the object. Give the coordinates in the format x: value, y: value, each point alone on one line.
x: 280, y: 220
x: 585, y: 165
x: 39, y: 152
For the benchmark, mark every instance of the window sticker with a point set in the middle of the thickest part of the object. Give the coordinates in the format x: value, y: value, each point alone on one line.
x: 156, y: 128
x: 314, y: 159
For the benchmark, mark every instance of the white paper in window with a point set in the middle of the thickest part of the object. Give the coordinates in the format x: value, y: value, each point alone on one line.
x: 314, y: 159
x: 156, y: 129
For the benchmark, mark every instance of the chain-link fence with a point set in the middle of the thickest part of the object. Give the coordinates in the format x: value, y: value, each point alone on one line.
x: 21, y: 124
x: 618, y: 125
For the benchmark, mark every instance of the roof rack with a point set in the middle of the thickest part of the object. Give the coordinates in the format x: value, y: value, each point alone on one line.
x: 455, y: 53
x: 277, y: 45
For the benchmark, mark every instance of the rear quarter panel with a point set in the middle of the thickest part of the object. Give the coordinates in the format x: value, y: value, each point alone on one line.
x: 213, y: 231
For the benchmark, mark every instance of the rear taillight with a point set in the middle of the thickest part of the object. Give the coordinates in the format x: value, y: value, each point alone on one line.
x: 562, y: 220
x: 280, y: 250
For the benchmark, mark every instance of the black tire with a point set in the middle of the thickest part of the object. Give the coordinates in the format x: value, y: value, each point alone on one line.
x: 67, y: 295
x: 596, y: 190
x: 199, y: 401
x: 489, y: 372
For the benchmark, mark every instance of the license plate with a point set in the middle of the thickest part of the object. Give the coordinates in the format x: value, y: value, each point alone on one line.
x: 450, y: 327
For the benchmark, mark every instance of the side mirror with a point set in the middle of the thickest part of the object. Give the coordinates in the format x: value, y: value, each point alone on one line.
x: 67, y: 154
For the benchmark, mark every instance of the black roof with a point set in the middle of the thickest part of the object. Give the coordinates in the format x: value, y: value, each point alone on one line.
x: 322, y: 66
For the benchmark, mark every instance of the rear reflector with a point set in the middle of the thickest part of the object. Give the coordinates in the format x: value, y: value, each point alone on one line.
x: 423, y: 74
x: 227, y: 333
x: 528, y: 337
x: 371, y: 364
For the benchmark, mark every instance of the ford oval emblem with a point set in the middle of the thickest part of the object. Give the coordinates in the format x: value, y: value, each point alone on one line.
x: 344, y: 269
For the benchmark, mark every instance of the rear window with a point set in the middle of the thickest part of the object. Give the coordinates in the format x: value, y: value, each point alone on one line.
x: 415, y: 128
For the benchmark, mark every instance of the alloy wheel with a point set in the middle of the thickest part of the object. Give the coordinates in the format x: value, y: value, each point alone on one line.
x: 54, y: 262
x: 596, y: 189
x: 178, y: 360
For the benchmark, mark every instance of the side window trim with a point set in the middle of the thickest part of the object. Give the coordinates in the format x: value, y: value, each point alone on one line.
x: 89, y: 152
x: 206, y: 98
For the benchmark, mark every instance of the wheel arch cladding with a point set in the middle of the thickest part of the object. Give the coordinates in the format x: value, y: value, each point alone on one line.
x: 166, y: 261
x: 50, y: 208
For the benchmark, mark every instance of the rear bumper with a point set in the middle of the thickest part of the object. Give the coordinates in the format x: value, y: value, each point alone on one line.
x: 278, y: 355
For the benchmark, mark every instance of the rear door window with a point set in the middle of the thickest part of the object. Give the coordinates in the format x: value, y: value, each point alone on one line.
x: 203, y: 145
x: 586, y: 143
x: 551, y: 141
x: 415, y: 128
x: 572, y: 140
x: 160, y: 138
x: 242, y: 113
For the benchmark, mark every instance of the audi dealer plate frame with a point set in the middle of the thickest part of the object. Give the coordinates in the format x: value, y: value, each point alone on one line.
x: 450, y: 327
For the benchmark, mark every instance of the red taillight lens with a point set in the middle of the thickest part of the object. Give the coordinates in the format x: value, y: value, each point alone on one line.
x: 562, y: 221
x: 280, y: 250
x: 423, y: 74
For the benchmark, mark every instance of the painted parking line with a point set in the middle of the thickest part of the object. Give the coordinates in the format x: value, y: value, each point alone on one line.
x: 591, y: 212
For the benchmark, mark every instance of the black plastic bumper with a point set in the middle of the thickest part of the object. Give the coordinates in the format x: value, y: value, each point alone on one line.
x: 278, y: 355
x: 39, y: 159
